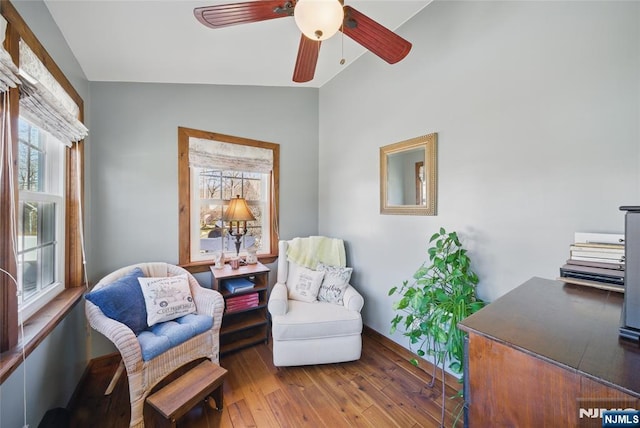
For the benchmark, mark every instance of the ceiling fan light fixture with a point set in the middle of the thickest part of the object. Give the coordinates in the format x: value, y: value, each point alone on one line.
x: 318, y: 19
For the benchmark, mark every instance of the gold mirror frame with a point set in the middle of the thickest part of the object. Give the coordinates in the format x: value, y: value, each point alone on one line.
x: 426, y: 192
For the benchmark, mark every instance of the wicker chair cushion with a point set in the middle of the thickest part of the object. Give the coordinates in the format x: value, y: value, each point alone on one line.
x: 122, y: 300
x: 163, y: 336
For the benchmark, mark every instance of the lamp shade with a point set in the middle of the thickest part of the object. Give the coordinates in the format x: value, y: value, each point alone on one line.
x: 238, y: 210
x: 318, y: 19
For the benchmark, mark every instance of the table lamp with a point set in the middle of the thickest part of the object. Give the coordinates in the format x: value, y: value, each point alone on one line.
x: 238, y: 211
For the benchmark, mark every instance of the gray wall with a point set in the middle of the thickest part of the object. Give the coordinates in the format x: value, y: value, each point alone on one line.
x: 536, y: 107
x: 134, y: 162
x: 55, y: 367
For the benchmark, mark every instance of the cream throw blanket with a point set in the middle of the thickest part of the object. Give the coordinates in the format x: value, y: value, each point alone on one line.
x: 308, y: 252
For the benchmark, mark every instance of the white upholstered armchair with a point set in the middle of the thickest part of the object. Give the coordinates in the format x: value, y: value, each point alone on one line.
x: 307, y: 330
x: 151, y: 353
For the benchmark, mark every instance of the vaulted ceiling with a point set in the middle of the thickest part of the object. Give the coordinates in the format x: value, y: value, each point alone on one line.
x: 161, y: 41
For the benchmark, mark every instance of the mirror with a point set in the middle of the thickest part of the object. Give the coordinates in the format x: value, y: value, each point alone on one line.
x: 408, y: 177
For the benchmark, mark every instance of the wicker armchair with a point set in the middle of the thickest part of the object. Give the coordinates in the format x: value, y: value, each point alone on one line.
x: 144, y: 375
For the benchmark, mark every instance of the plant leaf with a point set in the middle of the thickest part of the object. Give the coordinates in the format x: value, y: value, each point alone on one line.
x: 476, y: 306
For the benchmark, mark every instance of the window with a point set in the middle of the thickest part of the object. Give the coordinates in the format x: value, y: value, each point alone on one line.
x: 40, y: 253
x: 212, y: 170
x: 41, y: 188
x: 214, y: 189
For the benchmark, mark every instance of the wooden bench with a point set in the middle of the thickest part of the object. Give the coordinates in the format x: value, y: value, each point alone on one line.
x: 181, y: 395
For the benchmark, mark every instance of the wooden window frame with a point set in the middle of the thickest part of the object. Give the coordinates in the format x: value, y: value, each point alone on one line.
x: 37, y: 327
x: 184, y: 195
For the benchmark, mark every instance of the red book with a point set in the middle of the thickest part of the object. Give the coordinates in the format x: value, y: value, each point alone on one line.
x: 242, y: 302
x: 244, y: 298
x: 240, y: 306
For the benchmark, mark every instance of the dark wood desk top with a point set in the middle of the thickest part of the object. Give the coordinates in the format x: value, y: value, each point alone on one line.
x: 571, y: 326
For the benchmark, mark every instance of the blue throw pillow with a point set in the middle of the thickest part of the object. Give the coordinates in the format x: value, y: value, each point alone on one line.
x: 122, y: 300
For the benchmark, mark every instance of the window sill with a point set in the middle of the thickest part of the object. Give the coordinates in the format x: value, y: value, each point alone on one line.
x: 203, y: 266
x: 37, y: 328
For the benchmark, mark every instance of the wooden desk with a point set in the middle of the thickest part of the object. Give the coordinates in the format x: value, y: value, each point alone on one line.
x: 545, y: 350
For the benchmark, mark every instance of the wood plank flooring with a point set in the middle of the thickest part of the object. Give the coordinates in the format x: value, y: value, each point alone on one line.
x: 380, y: 390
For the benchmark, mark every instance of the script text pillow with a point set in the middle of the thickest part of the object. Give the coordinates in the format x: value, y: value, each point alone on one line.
x: 335, y: 283
x: 303, y: 284
x: 122, y: 300
x: 166, y: 298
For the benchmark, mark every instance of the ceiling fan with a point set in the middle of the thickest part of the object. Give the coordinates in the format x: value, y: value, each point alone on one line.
x: 318, y: 20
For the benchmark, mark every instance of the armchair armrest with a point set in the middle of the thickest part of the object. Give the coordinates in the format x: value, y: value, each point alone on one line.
x: 119, y: 334
x: 353, y: 300
x: 278, y: 299
x: 209, y: 302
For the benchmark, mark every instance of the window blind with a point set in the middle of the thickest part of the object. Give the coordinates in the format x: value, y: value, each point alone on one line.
x: 229, y: 157
x: 45, y: 102
x: 8, y: 70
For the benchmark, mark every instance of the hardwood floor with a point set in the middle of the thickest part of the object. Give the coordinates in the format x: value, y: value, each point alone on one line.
x: 382, y: 389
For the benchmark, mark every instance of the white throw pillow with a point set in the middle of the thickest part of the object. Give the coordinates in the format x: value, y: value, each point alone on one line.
x: 335, y: 283
x: 303, y: 284
x: 166, y: 298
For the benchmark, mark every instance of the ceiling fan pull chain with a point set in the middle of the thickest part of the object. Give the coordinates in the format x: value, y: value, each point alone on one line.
x: 342, y: 60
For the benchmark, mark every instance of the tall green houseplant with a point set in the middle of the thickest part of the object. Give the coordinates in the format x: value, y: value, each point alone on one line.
x: 441, y: 294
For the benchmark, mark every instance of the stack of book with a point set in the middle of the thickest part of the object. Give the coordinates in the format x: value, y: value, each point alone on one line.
x: 244, y: 301
x: 596, y: 260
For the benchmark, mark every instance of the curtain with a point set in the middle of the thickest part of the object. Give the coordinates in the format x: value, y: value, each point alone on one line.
x: 8, y: 288
x: 228, y: 156
x: 8, y: 79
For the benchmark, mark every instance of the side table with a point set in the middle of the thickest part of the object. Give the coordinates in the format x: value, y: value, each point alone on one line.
x: 245, y: 321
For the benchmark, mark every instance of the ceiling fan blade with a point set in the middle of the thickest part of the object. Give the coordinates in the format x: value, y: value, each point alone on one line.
x: 373, y: 36
x: 224, y: 15
x: 307, y: 59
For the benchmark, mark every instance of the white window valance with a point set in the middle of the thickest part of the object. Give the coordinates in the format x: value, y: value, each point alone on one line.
x: 33, y: 67
x: 45, y: 102
x: 8, y: 70
x: 228, y: 156
x: 46, y: 111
